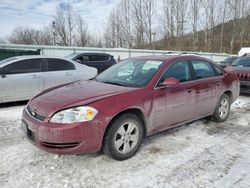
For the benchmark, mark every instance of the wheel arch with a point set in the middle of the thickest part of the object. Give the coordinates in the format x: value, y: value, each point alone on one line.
x: 230, y: 94
x: 138, y: 112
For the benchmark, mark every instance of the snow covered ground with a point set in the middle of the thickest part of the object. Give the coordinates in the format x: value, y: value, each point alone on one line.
x: 200, y: 154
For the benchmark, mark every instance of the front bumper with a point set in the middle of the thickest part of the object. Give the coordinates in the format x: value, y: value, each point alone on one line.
x: 74, y: 138
x: 244, y: 86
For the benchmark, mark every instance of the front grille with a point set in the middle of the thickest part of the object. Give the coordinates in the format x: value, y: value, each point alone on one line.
x: 35, y: 114
x: 60, y: 145
x: 244, y: 76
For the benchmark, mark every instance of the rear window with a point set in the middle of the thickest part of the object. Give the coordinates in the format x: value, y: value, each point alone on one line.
x: 59, y: 65
x: 202, y: 69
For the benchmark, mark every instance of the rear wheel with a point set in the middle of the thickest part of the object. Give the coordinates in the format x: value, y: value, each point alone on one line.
x: 223, y: 109
x: 124, y: 137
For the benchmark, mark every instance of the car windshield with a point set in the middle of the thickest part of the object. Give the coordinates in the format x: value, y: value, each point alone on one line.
x: 130, y: 73
x: 71, y: 56
x: 7, y: 60
x: 229, y: 60
x: 242, y: 62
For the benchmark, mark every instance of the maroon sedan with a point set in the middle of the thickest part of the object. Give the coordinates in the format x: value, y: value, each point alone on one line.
x: 133, y: 99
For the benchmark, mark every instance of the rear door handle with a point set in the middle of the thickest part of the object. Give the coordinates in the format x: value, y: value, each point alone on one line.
x: 189, y: 90
x: 69, y: 74
x: 218, y: 84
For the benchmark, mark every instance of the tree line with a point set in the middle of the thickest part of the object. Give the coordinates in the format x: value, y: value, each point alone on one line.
x: 195, y: 25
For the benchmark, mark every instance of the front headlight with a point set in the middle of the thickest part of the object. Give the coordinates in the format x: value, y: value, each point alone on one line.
x: 74, y: 115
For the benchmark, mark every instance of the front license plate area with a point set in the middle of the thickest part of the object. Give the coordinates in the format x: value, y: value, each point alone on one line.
x: 28, y: 133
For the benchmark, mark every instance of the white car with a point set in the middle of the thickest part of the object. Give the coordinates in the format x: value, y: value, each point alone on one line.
x: 23, y: 77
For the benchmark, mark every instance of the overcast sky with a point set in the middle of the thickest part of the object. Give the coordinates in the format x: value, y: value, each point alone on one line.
x: 38, y: 13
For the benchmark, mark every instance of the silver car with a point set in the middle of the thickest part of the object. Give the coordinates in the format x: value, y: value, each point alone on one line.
x: 23, y: 77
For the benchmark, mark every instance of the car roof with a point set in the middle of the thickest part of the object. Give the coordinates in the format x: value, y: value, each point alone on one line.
x: 36, y: 56
x: 166, y: 58
x: 19, y: 58
x: 91, y: 53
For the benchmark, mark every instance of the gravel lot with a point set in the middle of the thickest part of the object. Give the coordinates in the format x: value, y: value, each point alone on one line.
x: 200, y: 154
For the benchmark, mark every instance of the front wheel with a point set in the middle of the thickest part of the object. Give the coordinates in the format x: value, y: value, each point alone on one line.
x: 124, y: 137
x: 223, y: 108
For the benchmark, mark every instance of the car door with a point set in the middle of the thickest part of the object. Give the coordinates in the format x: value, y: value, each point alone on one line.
x: 58, y: 72
x: 208, y: 86
x: 174, y: 104
x: 21, y: 80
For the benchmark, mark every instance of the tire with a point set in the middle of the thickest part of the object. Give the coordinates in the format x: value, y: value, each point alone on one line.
x: 223, y: 108
x: 124, y: 137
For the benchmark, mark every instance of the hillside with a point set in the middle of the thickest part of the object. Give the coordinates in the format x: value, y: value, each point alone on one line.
x: 212, y: 42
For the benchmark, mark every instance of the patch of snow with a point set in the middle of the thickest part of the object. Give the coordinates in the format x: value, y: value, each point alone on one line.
x: 199, y: 154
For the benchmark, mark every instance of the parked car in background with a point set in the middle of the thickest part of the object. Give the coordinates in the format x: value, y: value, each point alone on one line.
x: 23, y: 77
x: 228, y: 61
x: 244, y: 51
x: 101, y: 61
x: 7, y: 53
x: 132, y: 99
x: 241, y: 67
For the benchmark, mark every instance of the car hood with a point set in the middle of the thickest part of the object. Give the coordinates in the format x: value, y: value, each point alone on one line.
x: 74, y: 94
x: 235, y: 69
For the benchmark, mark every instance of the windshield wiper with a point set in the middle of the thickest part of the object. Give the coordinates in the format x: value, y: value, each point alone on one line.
x: 113, y: 83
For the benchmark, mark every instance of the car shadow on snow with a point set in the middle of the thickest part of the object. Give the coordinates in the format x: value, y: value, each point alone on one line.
x: 13, y: 104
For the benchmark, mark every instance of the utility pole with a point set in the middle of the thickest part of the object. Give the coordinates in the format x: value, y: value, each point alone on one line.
x: 153, y: 37
x: 182, y: 21
x: 54, y: 32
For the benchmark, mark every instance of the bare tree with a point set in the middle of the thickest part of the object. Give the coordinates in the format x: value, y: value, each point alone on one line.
x: 83, y: 37
x: 195, y: 6
x: 124, y: 14
x: 65, y: 24
x: 244, y: 22
x: 234, y: 9
x: 224, y: 8
x: 142, y: 16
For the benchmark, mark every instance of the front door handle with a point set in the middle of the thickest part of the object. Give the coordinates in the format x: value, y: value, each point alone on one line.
x: 3, y: 76
x: 36, y: 77
x: 189, y: 90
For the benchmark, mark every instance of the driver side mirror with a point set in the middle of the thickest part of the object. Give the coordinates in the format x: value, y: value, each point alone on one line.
x: 2, y: 75
x: 170, y: 82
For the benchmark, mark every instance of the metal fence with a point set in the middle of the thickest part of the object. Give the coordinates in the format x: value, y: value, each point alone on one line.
x: 116, y: 52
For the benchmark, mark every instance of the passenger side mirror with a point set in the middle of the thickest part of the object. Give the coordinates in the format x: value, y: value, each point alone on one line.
x: 170, y: 82
x: 223, y: 65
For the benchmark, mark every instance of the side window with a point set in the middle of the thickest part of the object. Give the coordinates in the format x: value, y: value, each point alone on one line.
x: 218, y: 71
x: 82, y: 58
x: 202, y: 69
x: 59, y: 65
x: 98, y: 58
x: 179, y: 70
x: 23, y: 66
